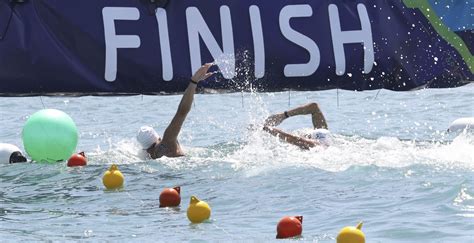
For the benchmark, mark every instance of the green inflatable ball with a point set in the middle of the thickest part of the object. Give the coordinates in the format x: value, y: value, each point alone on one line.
x: 50, y: 136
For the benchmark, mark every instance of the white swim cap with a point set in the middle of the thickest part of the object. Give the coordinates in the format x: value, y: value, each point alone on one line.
x: 147, y: 136
x: 461, y: 124
x: 10, y: 153
x: 322, y: 135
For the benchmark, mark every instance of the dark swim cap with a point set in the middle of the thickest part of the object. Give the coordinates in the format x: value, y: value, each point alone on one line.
x: 17, y: 157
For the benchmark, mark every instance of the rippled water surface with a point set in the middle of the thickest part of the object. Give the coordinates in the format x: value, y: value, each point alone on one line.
x: 391, y: 165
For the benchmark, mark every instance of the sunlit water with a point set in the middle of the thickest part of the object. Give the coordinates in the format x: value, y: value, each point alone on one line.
x: 391, y: 165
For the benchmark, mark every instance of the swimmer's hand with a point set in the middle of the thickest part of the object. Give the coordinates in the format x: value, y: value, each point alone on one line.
x: 275, y: 120
x: 274, y: 131
x: 202, y: 73
x: 254, y: 127
x: 267, y: 129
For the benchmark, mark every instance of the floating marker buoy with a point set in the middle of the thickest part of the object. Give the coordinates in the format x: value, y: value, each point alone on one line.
x: 351, y: 234
x: 113, y: 178
x: 198, y: 210
x: 50, y: 135
x: 289, y: 227
x: 170, y: 197
x: 461, y: 124
x: 78, y: 159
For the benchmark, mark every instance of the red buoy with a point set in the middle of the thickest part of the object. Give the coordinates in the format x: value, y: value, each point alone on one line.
x: 170, y: 197
x: 78, y: 159
x: 289, y: 227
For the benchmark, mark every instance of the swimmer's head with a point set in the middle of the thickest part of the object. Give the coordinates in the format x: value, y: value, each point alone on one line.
x: 147, y: 137
x: 321, y: 135
x: 10, y: 154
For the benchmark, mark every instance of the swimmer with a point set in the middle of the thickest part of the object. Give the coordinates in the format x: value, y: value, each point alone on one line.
x: 168, y: 146
x: 10, y: 154
x: 318, y: 137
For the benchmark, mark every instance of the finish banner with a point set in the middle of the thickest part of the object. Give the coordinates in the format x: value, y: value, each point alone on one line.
x: 113, y: 47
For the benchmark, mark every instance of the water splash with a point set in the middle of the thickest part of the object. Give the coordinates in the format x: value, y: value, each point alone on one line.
x: 242, y: 72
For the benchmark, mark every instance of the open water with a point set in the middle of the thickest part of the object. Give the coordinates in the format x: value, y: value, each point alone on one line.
x: 391, y: 165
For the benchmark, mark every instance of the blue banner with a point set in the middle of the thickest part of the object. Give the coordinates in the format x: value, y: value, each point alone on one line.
x: 112, y: 47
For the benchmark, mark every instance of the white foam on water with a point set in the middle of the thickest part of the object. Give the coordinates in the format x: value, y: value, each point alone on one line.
x: 125, y: 151
x: 258, y: 152
x: 264, y: 152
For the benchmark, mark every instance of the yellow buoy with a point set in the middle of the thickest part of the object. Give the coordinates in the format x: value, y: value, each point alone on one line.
x: 113, y: 178
x: 351, y: 234
x: 198, y: 210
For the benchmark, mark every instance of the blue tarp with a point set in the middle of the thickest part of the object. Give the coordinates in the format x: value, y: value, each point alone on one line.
x: 113, y: 47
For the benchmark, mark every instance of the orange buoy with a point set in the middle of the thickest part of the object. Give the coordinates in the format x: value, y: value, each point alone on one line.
x: 78, y: 159
x: 170, y: 197
x: 289, y: 227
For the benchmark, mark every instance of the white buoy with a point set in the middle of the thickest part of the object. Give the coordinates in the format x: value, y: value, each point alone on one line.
x: 461, y: 124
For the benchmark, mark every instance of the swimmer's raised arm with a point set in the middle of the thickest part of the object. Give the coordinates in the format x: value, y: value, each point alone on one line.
x: 292, y: 139
x: 173, y: 129
x: 317, y: 117
x: 312, y: 108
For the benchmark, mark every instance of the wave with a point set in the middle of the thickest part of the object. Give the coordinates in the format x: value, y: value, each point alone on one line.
x: 262, y: 152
